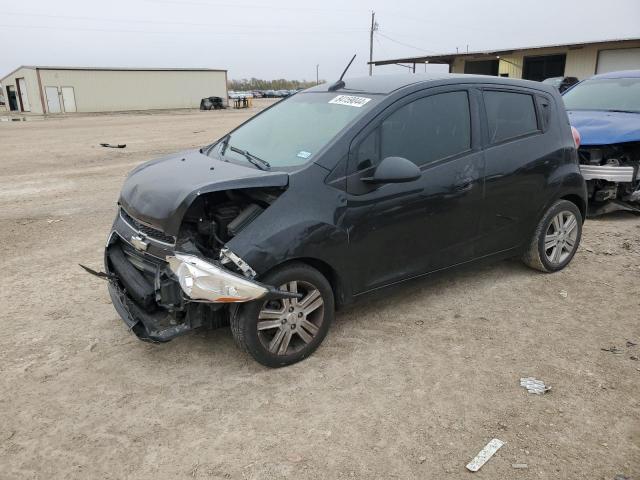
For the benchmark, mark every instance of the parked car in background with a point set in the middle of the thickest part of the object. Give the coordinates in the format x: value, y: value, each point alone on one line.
x: 606, y: 111
x: 240, y: 94
x: 257, y: 94
x: 269, y: 93
x: 337, y: 192
x: 561, y: 83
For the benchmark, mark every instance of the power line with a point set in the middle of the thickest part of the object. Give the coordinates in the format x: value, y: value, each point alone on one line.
x: 250, y: 32
x: 255, y: 6
x: 152, y: 22
x: 405, y: 44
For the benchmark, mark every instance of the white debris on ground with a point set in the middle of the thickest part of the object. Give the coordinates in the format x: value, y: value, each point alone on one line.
x: 485, y: 454
x: 534, y: 386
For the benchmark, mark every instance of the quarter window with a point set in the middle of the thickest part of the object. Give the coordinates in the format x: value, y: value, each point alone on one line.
x: 423, y: 131
x: 509, y: 115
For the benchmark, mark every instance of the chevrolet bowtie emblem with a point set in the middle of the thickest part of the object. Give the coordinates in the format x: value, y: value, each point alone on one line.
x: 139, y: 243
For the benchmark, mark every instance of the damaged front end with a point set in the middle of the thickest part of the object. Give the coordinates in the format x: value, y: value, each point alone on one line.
x: 612, y: 173
x: 164, y: 286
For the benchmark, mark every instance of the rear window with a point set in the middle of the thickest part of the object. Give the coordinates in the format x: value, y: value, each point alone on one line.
x: 509, y: 115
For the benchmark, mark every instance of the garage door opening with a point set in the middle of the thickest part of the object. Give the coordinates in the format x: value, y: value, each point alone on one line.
x: 543, y: 67
x: 620, y: 59
x: 482, y: 67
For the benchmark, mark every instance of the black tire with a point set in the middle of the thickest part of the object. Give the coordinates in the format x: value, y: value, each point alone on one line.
x: 537, y: 255
x: 244, y: 320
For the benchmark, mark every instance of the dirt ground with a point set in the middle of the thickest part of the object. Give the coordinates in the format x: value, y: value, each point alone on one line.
x: 412, y: 385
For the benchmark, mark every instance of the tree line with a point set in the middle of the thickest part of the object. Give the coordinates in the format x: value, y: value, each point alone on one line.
x: 259, y: 84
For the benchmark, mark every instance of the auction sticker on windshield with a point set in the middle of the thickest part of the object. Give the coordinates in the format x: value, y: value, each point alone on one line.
x: 350, y: 100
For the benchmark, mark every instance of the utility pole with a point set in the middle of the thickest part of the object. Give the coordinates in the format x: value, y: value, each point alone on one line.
x: 317, y: 76
x: 374, y: 27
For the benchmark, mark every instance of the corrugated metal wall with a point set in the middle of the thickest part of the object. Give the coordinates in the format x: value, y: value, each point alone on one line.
x: 121, y: 90
x: 581, y: 61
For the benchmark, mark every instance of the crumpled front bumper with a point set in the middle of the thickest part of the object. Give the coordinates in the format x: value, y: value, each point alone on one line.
x: 161, y: 294
x: 147, y: 327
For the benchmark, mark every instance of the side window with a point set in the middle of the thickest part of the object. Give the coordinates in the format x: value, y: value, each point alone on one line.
x: 423, y: 131
x: 545, y: 106
x: 509, y: 115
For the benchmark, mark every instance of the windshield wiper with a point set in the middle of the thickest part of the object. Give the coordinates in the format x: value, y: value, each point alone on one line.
x: 223, y: 141
x: 623, y: 111
x: 257, y: 161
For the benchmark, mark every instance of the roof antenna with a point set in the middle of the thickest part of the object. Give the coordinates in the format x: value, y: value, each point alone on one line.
x: 339, y: 84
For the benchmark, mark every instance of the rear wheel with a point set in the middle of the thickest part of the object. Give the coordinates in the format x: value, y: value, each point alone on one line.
x: 284, y: 331
x: 556, y: 238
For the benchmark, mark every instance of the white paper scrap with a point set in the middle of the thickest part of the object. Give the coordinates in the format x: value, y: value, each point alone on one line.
x: 485, y: 454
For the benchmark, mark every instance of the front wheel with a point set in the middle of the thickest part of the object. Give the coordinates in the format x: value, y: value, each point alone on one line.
x: 284, y: 331
x: 556, y: 238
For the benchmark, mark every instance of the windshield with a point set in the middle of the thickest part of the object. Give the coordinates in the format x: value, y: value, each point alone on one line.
x: 605, y: 94
x: 295, y: 130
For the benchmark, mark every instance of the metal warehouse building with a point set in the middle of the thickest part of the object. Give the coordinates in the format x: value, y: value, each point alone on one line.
x: 579, y: 60
x: 73, y: 89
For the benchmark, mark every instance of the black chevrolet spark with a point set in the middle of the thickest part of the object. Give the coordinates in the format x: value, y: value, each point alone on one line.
x: 336, y: 193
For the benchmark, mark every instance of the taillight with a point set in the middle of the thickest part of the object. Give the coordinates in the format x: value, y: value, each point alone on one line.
x: 576, y: 136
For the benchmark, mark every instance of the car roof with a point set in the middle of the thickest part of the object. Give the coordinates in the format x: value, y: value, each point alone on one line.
x: 386, y: 84
x: 620, y: 74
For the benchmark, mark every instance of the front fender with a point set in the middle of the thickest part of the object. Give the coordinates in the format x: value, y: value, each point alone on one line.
x: 307, y: 239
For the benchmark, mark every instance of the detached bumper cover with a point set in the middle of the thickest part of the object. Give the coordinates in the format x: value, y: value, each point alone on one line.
x: 148, y: 327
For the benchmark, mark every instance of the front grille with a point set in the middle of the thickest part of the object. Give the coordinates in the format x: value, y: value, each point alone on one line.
x: 150, y: 232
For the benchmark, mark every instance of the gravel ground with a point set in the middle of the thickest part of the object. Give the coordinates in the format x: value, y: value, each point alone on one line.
x: 411, y: 385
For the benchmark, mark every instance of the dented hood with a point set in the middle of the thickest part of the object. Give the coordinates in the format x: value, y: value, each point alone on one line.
x: 605, y: 128
x: 159, y: 192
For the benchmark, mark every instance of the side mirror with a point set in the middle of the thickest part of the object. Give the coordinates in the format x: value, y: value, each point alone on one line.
x: 394, y: 170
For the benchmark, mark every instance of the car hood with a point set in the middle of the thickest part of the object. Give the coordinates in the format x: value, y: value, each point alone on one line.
x: 159, y: 192
x: 605, y: 128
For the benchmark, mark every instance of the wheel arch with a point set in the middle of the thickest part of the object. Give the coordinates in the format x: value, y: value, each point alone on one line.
x: 579, y: 202
x: 341, y: 295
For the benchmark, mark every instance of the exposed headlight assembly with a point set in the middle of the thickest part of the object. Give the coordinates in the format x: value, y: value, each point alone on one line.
x: 204, y: 281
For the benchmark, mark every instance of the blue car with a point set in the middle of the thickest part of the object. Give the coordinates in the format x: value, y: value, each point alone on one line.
x: 605, y: 109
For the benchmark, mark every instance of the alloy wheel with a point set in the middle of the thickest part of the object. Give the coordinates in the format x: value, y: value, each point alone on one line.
x: 286, y: 326
x: 560, y: 238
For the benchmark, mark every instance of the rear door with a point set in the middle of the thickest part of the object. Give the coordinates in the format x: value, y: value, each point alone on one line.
x: 519, y: 155
x: 401, y: 230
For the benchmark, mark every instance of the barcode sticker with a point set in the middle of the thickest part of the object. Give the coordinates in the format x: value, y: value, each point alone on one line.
x: 350, y: 100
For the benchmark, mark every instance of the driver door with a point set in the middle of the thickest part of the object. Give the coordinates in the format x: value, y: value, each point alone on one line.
x: 402, y: 230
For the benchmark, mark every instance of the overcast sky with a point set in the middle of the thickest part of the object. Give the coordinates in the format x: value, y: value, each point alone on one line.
x: 286, y: 39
